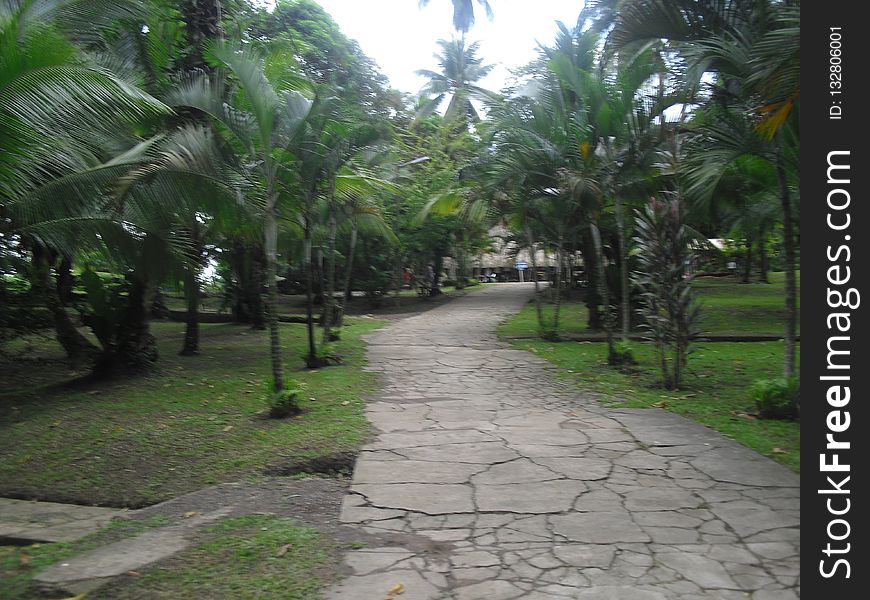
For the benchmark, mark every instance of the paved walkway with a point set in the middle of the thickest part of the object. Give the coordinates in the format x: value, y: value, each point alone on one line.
x: 492, y: 479
x: 27, y: 522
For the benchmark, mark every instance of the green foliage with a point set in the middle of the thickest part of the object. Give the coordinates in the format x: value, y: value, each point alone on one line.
x: 104, y: 310
x: 286, y: 402
x: 621, y: 353
x: 670, y: 310
x: 777, y: 398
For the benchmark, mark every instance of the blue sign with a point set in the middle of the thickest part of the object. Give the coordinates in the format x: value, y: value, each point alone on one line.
x: 522, y: 265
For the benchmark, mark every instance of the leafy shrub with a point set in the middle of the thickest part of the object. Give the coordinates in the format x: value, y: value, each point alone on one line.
x: 777, y: 398
x: 286, y: 402
x: 621, y: 354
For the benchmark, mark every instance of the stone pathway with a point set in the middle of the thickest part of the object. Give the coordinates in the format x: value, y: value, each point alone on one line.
x: 24, y: 521
x: 492, y: 479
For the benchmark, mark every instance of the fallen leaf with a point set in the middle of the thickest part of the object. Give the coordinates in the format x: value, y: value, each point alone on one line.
x: 227, y: 428
x: 134, y: 573
x: 395, y: 591
x: 780, y: 451
x: 283, y: 550
x: 661, y: 404
x: 24, y: 560
x: 191, y: 513
x: 81, y: 596
x: 345, y: 403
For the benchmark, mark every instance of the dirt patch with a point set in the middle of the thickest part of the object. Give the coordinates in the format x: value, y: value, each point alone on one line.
x: 340, y: 463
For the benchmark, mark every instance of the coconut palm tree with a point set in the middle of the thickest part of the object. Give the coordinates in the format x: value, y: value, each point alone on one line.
x: 57, y: 110
x: 460, y: 69
x: 263, y: 123
x: 463, y: 13
x: 753, y: 47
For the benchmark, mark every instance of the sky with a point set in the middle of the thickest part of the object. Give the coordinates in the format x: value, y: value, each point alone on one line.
x: 401, y: 37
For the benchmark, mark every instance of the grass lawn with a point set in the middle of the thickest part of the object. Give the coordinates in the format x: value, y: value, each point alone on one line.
x: 728, y: 307
x: 257, y: 556
x: 191, y: 422
x: 715, y: 391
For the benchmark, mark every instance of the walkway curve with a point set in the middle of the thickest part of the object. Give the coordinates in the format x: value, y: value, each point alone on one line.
x: 491, y: 478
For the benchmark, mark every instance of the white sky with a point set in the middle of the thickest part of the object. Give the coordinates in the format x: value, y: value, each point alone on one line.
x: 401, y: 37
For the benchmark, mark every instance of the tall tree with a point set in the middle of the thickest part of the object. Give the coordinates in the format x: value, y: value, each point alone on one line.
x: 461, y: 68
x: 463, y: 13
x: 264, y: 123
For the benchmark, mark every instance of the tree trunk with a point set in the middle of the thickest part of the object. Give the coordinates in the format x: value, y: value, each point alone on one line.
x: 190, y: 347
x: 311, y: 360
x: 271, y: 247
x: 76, y: 345
x: 534, y: 273
x: 348, y: 271
x: 329, y: 298
x: 65, y: 281
x: 762, y: 258
x: 557, y: 305
x: 603, y: 290
x: 254, y: 288
x: 624, y: 300
x: 747, y: 267
x: 436, y: 281
x: 788, y: 368
x: 591, y: 298
x: 135, y: 347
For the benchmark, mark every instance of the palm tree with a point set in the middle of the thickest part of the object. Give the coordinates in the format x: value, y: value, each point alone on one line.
x: 753, y: 47
x: 56, y: 111
x: 463, y: 13
x: 460, y: 69
x: 263, y: 123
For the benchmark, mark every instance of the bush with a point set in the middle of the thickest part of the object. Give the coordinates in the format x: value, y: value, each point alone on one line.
x: 777, y: 398
x: 621, y: 354
x: 286, y: 402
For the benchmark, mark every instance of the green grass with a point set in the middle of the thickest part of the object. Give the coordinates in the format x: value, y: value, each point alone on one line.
x: 715, y: 391
x: 19, y: 564
x: 728, y: 307
x: 191, y: 422
x: 258, y: 556
x: 261, y: 557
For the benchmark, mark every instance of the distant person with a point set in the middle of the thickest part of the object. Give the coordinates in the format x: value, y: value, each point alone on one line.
x: 407, y: 276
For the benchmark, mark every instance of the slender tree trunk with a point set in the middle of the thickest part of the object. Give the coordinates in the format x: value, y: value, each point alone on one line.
x: 348, y: 272
x: 788, y: 368
x: 747, y: 267
x: 190, y: 347
x: 534, y: 262
x: 569, y: 265
x: 65, y: 281
x: 136, y: 347
x: 76, y: 345
x: 558, y: 300
x: 590, y: 269
x: 309, y: 296
x: 624, y: 300
x: 329, y: 300
x: 762, y: 258
x: 603, y: 290
x: 271, y: 247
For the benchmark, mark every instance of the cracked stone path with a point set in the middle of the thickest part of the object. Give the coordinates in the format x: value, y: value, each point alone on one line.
x: 492, y: 479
